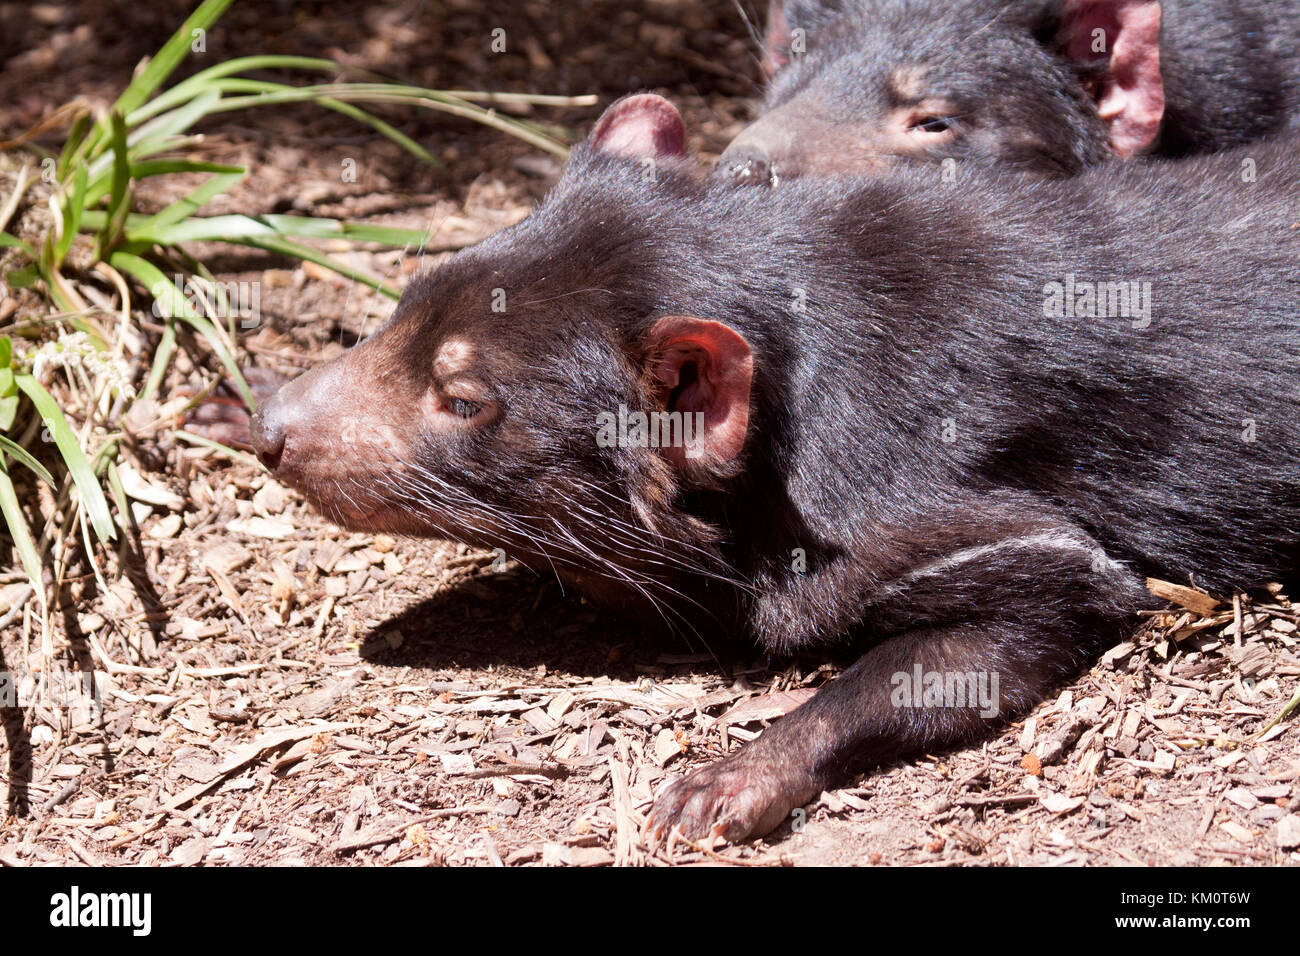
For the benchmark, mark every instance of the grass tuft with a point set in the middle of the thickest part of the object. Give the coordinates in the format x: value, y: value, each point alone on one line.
x: 65, y: 379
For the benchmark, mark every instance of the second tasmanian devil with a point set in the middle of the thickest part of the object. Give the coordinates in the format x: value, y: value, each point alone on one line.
x: 1049, y: 86
x: 954, y: 423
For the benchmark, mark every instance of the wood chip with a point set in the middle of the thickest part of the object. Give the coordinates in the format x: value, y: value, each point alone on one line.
x: 1027, y: 735
x: 1058, y: 803
x: 1237, y: 831
x: 192, y: 851
x: 540, y: 720
x: 626, y: 852
x: 1196, y: 601
x: 247, y: 754
x: 1278, y: 791
x: 226, y: 557
x: 767, y: 707
x: 166, y: 527
x: 1117, y: 653
x: 1287, y: 832
x: 140, y: 488
x: 1242, y: 798
x: 667, y: 746
x: 257, y: 527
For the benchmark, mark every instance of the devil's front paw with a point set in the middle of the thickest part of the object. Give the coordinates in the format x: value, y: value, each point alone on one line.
x: 737, y: 798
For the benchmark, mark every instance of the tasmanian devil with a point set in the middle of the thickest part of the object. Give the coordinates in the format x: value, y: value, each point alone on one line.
x: 955, y: 422
x: 1051, y: 86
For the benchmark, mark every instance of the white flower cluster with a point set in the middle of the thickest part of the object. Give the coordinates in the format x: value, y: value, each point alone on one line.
x: 77, y: 350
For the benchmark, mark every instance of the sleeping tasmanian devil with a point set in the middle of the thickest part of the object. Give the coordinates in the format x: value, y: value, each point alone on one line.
x: 956, y: 422
x: 1049, y: 86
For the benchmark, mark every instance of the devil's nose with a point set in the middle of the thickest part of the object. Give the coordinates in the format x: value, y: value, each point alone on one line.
x: 747, y: 165
x: 268, y: 432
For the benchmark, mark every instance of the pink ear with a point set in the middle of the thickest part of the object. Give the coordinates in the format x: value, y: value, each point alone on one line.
x: 640, y: 126
x: 1131, y: 98
x: 776, y: 43
x: 706, y: 367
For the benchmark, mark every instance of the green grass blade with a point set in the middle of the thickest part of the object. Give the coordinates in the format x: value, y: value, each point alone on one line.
x: 92, y: 495
x: 99, y: 179
x: 165, y: 167
x: 235, y: 227
x: 394, y: 93
x: 119, y: 190
x: 21, y: 535
x: 210, y: 229
x: 166, y: 293
x: 204, y: 79
x: 287, y: 248
x: 8, y: 388
x: 13, y: 242
x: 93, y: 220
x: 154, y: 136
x: 176, y: 121
x: 169, y: 57
x: 383, y: 129
x: 308, y: 227
x: 22, y: 456
x: 248, y: 231
x: 72, y: 146
x: 161, y: 358
x: 192, y: 439
x: 72, y: 211
x: 196, y: 199
x: 265, y: 93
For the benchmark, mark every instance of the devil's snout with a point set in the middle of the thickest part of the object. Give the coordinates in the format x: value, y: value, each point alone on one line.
x: 268, y: 432
x: 288, y: 422
x: 747, y: 165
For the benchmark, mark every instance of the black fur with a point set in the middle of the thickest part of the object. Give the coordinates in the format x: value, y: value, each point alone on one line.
x: 933, y: 464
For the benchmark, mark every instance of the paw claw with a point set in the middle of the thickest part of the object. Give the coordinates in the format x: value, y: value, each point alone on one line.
x: 732, y: 800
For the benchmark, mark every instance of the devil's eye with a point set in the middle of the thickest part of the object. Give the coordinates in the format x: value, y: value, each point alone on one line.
x: 463, y: 408
x: 932, y: 124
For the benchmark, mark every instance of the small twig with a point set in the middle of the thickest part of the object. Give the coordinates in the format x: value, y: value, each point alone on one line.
x: 553, y: 771
x: 11, y: 205
x: 675, y: 837
x: 136, y: 834
x: 1010, y: 800
x: 361, y: 841
x: 626, y: 852
x: 1286, y: 712
x: 17, y: 608
x: 82, y: 853
x: 69, y: 788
